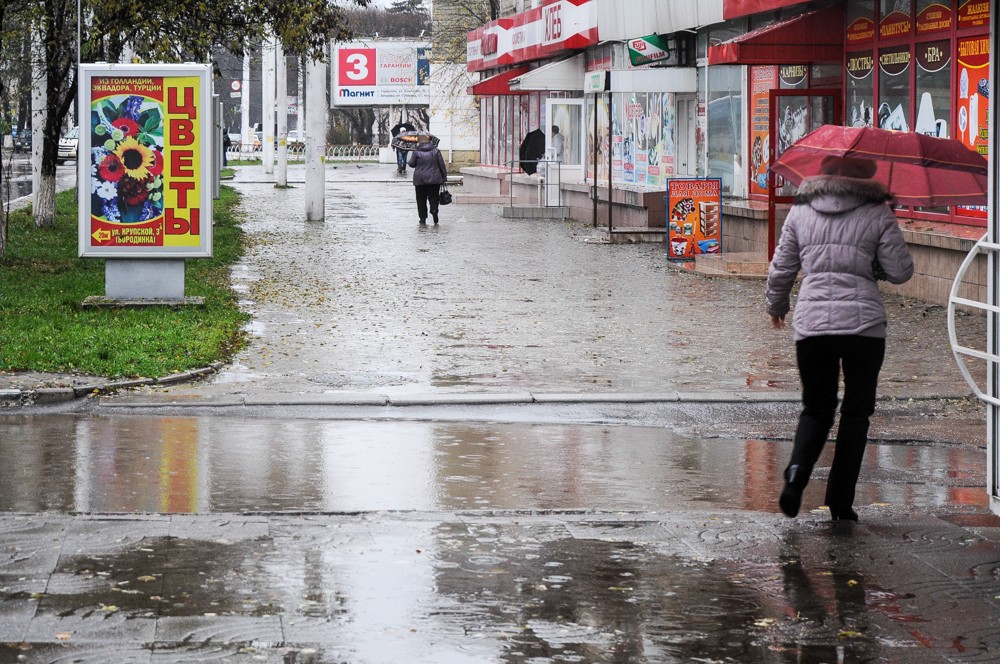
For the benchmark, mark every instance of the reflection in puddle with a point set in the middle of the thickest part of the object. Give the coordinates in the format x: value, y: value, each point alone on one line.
x: 222, y: 464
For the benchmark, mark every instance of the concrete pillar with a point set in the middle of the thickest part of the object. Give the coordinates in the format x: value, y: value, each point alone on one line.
x: 267, y: 101
x: 315, y: 140
x: 281, y: 108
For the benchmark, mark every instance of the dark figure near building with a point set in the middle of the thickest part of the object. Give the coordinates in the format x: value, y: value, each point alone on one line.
x: 532, y: 149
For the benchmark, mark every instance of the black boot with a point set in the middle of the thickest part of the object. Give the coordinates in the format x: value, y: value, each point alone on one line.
x: 843, y: 514
x: 791, y: 496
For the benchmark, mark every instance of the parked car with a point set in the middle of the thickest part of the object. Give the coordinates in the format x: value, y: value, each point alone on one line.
x: 68, y: 145
x: 22, y: 140
x: 296, y: 139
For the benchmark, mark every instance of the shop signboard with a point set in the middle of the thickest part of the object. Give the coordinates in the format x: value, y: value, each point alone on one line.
x: 694, y: 217
x: 973, y: 14
x: 648, y: 49
x: 552, y: 28
x: 145, y: 167
x: 381, y: 73
x: 973, y: 87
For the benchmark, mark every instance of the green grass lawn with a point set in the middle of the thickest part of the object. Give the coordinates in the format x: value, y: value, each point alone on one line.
x: 44, y: 327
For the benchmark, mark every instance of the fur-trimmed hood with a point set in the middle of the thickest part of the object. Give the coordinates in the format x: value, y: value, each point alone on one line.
x: 835, y: 194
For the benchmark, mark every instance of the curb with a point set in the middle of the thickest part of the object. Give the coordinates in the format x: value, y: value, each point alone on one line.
x: 53, y: 395
x: 57, y: 395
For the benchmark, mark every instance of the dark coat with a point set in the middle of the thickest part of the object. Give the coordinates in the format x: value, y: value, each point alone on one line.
x: 532, y: 147
x: 428, y: 165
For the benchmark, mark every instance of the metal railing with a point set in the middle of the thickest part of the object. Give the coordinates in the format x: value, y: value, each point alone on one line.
x: 544, y: 182
x: 960, y: 351
x: 355, y: 152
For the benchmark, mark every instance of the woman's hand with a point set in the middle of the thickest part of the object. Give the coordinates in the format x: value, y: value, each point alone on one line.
x: 777, y: 322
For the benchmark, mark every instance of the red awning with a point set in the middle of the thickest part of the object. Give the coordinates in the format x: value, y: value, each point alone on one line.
x: 737, y: 8
x: 811, y: 37
x: 499, y: 84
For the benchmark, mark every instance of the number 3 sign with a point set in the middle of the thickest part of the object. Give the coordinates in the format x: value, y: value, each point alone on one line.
x: 356, y: 66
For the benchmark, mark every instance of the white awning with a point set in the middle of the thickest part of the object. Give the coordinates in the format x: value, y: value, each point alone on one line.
x: 560, y: 75
x: 664, y: 79
x: 648, y: 17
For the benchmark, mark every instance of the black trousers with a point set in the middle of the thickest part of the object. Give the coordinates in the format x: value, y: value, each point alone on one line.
x: 427, y: 192
x: 820, y: 361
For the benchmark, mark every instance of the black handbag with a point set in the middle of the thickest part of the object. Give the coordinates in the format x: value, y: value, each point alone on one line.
x: 444, y: 198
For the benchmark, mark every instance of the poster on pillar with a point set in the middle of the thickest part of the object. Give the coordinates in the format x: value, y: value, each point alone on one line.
x: 145, y: 171
x: 694, y: 217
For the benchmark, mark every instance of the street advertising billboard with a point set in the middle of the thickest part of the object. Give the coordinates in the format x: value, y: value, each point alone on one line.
x: 694, y: 217
x: 145, y: 161
x: 381, y: 73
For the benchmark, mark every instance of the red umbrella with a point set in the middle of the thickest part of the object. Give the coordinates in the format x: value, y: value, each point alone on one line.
x: 917, y: 169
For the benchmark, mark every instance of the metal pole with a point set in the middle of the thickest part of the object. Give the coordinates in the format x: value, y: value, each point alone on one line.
x: 245, y: 141
x: 611, y: 157
x: 281, y: 108
x: 595, y: 162
x: 992, y: 287
x: 315, y: 140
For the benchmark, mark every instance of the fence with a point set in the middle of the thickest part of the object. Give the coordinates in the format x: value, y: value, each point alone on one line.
x: 296, y: 150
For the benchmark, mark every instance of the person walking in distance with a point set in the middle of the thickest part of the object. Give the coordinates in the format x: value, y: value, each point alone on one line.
x: 842, y: 235
x: 429, y: 173
x: 398, y: 129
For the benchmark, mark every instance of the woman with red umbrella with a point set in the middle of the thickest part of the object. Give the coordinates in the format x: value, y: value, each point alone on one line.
x: 842, y: 235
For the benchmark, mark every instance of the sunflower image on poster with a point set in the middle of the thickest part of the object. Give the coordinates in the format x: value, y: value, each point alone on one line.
x: 127, y: 157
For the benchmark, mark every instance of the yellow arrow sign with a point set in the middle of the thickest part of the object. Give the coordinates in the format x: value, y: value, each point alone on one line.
x: 102, y: 235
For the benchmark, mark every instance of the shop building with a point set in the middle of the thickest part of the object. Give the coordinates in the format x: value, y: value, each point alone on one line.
x: 673, y: 88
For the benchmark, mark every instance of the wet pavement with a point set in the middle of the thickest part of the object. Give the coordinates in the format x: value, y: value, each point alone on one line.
x: 491, y: 441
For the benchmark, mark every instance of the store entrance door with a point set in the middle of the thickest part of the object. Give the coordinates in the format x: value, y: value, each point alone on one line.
x: 793, y: 114
x: 687, y: 122
x: 565, y: 116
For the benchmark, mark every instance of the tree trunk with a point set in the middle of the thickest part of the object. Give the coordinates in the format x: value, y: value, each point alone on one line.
x: 45, y: 215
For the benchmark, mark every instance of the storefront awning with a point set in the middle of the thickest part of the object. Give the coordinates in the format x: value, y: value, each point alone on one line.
x: 497, y: 85
x: 560, y: 75
x: 737, y: 8
x: 805, y: 39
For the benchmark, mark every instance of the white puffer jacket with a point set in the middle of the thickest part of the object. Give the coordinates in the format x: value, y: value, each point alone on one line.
x: 833, y: 234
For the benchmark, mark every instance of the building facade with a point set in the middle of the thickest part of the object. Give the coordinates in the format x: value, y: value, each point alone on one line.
x: 672, y: 88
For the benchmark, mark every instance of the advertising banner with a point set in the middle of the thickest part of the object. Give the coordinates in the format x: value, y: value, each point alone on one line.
x: 763, y: 80
x: 694, y: 217
x: 973, y: 73
x: 381, y: 74
x: 145, y: 161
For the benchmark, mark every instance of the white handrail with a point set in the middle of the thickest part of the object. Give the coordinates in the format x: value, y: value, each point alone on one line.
x: 958, y: 349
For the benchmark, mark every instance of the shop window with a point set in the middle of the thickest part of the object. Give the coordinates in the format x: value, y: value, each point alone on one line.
x: 894, y: 89
x: 860, y: 89
x: 725, y: 126
x: 933, y: 92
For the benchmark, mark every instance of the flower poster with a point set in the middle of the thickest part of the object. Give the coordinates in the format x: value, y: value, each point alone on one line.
x: 144, y: 162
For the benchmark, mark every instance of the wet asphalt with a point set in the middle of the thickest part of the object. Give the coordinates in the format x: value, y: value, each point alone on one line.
x: 491, y: 441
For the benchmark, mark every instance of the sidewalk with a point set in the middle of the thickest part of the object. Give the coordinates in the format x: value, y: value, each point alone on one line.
x: 499, y: 587
x: 369, y: 302
x: 374, y: 342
